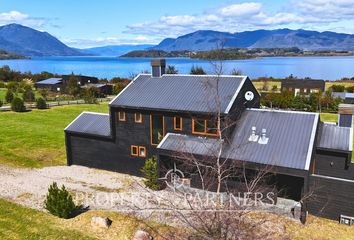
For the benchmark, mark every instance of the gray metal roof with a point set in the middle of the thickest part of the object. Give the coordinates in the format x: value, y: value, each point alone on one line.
x: 91, y: 123
x: 51, y: 81
x: 192, y: 93
x: 335, y: 137
x: 291, y: 139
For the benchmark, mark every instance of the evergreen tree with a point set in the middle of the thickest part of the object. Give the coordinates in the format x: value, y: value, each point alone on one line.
x: 17, y: 105
x: 72, y: 86
x: 171, y: 69
x: 197, y: 71
x: 41, y: 103
x: 59, y: 202
x: 150, y: 172
x: 28, y: 95
x: 9, y: 96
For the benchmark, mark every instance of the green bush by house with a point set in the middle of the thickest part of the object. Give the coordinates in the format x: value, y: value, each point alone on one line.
x: 150, y: 172
x: 59, y: 202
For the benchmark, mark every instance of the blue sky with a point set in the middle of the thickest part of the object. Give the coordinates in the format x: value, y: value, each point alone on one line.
x: 88, y: 23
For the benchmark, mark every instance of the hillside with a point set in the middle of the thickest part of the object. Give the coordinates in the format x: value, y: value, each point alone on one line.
x: 280, y: 38
x: 26, y: 41
x: 115, y: 50
x: 155, y: 54
x: 5, y: 55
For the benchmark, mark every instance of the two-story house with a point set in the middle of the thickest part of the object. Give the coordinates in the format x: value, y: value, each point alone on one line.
x: 163, y: 115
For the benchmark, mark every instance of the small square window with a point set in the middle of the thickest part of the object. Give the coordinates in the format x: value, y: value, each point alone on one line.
x: 138, y: 118
x: 178, y: 123
x: 121, y: 116
x: 134, y: 150
x: 142, y: 152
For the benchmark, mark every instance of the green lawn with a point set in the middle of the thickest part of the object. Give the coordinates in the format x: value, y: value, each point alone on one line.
x: 36, y: 138
x: 2, y: 94
x: 329, y: 117
x: 17, y: 222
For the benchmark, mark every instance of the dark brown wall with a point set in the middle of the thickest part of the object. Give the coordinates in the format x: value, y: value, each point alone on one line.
x: 333, y: 164
x: 331, y: 197
x: 303, y: 84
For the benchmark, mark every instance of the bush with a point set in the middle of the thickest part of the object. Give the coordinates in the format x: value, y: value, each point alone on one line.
x: 1, y: 103
x: 28, y: 95
x: 150, y: 172
x: 9, y: 96
x: 2, y: 85
x: 350, y: 89
x: 59, y: 202
x: 90, y: 95
x: 41, y: 103
x: 118, y: 87
x: 338, y: 88
x: 197, y: 71
x: 17, y: 105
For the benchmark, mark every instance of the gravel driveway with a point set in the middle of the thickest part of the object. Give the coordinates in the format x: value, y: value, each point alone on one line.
x: 29, y: 186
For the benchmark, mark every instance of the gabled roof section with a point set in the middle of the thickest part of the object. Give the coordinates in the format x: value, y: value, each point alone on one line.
x: 333, y: 137
x: 291, y: 139
x: 190, y: 93
x: 52, y: 81
x: 97, y: 124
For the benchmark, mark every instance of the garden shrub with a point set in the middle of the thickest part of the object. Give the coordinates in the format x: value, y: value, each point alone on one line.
x: 9, y: 96
x: 59, y: 202
x: 28, y: 95
x: 41, y: 103
x: 150, y: 172
x: 17, y: 105
x: 90, y: 95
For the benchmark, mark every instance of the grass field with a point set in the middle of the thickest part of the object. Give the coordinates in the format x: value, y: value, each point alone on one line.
x: 2, y: 94
x: 17, y: 222
x: 36, y: 138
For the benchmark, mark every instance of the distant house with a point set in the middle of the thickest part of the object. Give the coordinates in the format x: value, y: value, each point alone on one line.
x: 347, y: 97
x: 171, y: 117
x: 303, y: 86
x: 105, y: 89
x: 59, y: 84
x: 53, y: 84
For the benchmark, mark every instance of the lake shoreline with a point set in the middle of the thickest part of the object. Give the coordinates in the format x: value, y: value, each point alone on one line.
x: 315, y: 67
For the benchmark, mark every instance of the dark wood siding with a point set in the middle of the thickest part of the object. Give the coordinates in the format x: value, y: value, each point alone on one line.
x: 302, y: 84
x: 103, y: 154
x: 331, y: 197
x: 333, y: 164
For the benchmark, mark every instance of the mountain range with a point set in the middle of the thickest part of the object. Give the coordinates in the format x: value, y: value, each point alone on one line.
x: 21, y: 40
x: 18, y: 39
x: 115, y: 50
x: 280, y: 38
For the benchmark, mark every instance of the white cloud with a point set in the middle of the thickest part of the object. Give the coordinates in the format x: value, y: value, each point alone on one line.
x: 104, y: 41
x: 20, y: 18
x: 249, y: 16
x: 242, y: 9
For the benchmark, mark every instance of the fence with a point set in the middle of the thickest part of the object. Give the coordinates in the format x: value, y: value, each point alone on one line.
x: 54, y: 104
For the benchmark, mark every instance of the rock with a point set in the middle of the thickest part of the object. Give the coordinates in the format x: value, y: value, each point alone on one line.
x: 100, y: 222
x: 142, y: 235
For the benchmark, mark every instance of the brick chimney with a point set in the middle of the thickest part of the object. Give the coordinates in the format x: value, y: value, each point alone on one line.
x: 158, y: 67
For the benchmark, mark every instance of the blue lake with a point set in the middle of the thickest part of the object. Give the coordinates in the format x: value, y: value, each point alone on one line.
x: 328, y: 68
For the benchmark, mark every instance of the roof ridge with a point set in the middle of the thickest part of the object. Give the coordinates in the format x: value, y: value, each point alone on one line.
x: 281, y: 111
